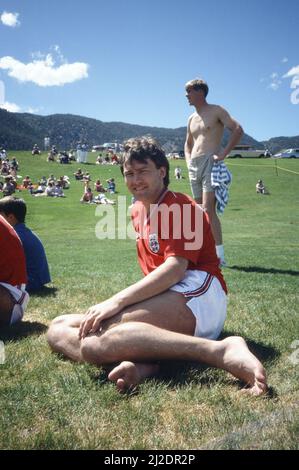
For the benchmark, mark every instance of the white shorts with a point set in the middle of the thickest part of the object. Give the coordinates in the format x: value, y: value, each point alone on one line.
x: 22, y: 299
x: 206, y: 300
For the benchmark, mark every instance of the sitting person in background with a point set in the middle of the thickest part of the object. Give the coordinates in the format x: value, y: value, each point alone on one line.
x: 64, y: 157
x: 14, y: 164
x: 14, y: 211
x: 260, y: 187
x: 51, y: 179
x: 35, y: 150
x: 9, y: 186
x: 26, y: 182
x: 78, y: 175
x: 13, y: 277
x: 86, y: 178
x: 50, y: 190
x: 87, y: 195
x: 51, y: 157
x: 102, y: 199
x: 98, y: 187
x: 99, y: 160
x: 114, y: 159
x: 111, y: 186
x: 5, y: 168
x: 58, y: 190
x: 178, y: 173
x: 64, y: 181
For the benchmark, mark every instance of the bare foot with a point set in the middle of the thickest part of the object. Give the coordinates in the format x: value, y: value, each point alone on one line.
x: 239, y: 361
x: 127, y: 375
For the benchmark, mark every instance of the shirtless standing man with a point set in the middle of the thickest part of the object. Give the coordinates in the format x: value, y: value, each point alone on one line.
x: 203, y: 147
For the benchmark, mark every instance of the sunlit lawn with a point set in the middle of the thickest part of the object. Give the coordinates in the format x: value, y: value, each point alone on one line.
x: 50, y: 403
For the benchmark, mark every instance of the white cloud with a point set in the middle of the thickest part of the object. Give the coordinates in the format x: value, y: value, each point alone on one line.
x: 293, y: 71
x: 275, y: 81
x: 284, y: 60
x: 12, y: 107
x: 10, y: 19
x: 43, y: 72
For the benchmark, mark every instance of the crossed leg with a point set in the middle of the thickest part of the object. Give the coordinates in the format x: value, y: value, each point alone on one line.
x: 159, y: 328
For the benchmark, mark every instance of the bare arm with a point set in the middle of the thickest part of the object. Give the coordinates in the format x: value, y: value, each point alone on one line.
x: 188, y: 143
x: 236, y: 133
x: 158, y: 281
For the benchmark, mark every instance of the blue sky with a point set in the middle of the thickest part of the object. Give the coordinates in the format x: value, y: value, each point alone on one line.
x: 128, y: 60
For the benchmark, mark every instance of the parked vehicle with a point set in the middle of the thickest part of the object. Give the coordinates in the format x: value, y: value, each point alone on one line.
x: 287, y: 153
x: 246, y: 151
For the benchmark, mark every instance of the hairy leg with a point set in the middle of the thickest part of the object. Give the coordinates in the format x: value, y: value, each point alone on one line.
x: 139, y: 342
x: 209, y: 205
x: 63, y: 338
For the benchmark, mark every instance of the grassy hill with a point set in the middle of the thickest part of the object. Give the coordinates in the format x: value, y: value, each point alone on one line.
x: 50, y: 403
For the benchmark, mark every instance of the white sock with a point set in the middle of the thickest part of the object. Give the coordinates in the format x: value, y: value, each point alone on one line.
x: 220, y: 251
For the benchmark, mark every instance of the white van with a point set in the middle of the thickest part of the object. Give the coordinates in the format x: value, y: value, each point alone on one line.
x: 245, y: 151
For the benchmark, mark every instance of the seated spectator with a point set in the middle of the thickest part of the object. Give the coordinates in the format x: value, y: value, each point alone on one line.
x: 87, y: 196
x: 43, y: 181
x: 51, y: 157
x: 13, y: 296
x: 64, y: 181
x: 9, y: 186
x: 14, y: 164
x: 58, y: 190
x: 51, y: 179
x: 78, y: 175
x: 50, y: 190
x: 260, y: 187
x: 5, y: 168
x: 3, y: 154
x: 178, y: 173
x: 102, y: 199
x: 98, y: 187
x: 26, y: 182
x: 14, y: 211
x: 111, y: 186
x: 86, y: 177
x: 99, y: 160
x: 64, y: 157
x: 54, y: 150
x: 40, y: 189
x: 35, y: 150
x: 114, y: 159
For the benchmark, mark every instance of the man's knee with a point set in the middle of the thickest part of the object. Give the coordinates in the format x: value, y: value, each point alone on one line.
x: 55, y: 331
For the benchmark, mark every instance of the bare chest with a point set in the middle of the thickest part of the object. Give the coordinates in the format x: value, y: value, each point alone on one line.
x: 205, y: 125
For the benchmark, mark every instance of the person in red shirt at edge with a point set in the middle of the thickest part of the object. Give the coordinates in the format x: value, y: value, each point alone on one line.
x: 13, y: 276
x: 177, y: 311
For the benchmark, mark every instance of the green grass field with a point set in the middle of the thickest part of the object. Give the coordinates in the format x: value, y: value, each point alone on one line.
x: 48, y: 402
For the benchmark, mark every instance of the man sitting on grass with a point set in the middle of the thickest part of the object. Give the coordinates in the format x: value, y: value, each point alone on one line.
x: 177, y: 311
x: 14, y: 211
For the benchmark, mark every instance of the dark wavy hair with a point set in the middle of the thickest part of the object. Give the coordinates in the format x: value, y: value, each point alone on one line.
x: 142, y: 149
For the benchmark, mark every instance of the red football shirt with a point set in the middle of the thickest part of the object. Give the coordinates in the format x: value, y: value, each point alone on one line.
x: 12, y: 257
x: 176, y: 226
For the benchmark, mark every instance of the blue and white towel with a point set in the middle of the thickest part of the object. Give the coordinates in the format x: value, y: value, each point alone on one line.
x: 221, y: 178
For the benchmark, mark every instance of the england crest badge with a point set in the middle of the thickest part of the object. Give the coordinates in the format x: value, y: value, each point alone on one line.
x: 154, y: 242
